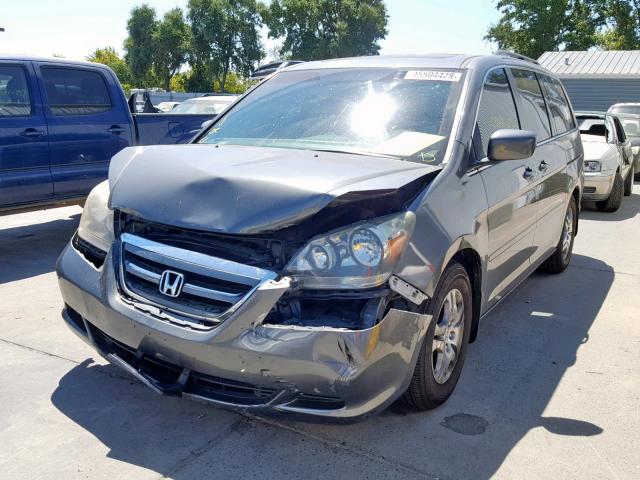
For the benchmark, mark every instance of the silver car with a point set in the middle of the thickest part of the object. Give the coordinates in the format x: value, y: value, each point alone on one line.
x: 608, y: 160
x: 332, y: 241
x: 629, y: 115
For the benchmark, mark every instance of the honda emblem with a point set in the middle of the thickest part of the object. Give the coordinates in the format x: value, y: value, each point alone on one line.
x: 171, y: 283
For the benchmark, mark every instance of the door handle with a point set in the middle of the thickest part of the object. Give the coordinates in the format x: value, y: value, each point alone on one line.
x: 543, y: 166
x: 32, y: 133
x: 528, y: 173
x: 116, y: 129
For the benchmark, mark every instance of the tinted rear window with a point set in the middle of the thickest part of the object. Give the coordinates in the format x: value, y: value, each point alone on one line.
x: 73, y: 91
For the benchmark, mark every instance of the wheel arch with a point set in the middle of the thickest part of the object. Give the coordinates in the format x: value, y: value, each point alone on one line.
x: 576, y: 194
x: 470, y: 259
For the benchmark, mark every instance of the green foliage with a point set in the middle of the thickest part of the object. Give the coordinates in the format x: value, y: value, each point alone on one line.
x: 140, y: 44
x: 171, y: 45
x: 234, y: 84
x: 621, y: 31
x: 109, y: 57
x: 532, y: 27
x: 318, y: 29
x: 225, y: 37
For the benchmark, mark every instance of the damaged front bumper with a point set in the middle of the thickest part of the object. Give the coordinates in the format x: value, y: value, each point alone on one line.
x: 243, y: 363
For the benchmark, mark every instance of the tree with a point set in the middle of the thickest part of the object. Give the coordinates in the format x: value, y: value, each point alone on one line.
x: 139, y: 45
x: 109, y: 57
x: 531, y: 27
x: 621, y: 20
x: 319, y: 29
x: 171, y: 45
x: 225, y: 38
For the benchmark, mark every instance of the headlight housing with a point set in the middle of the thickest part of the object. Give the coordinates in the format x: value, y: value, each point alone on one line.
x: 359, y: 256
x: 96, y: 222
x: 635, y: 150
x: 592, y: 166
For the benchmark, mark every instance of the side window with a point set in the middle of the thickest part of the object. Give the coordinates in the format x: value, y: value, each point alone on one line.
x: 534, y: 112
x: 497, y: 109
x: 561, y: 116
x: 15, y: 100
x: 72, y: 91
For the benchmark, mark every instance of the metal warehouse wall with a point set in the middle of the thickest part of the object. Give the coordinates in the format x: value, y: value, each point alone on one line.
x: 600, y: 93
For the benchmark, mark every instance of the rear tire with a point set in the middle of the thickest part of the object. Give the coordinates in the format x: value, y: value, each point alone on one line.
x: 614, y: 201
x: 559, y: 261
x: 435, y: 376
x: 628, y: 183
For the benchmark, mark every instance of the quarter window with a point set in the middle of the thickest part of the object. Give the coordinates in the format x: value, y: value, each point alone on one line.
x: 15, y: 100
x: 561, y: 115
x: 533, y: 114
x: 75, y: 92
x: 497, y: 109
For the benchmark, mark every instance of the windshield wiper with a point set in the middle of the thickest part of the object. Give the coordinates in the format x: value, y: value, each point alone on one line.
x: 363, y: 153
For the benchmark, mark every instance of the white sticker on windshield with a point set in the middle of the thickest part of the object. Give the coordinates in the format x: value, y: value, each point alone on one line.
x: 433, y: 75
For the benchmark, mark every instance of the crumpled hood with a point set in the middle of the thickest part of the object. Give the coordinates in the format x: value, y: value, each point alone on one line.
x: 237, y: 189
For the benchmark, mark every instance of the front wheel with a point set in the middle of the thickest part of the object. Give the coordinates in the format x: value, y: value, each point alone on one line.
x: 614, y: 201
x: 560, y: 259
x: 445, y: 344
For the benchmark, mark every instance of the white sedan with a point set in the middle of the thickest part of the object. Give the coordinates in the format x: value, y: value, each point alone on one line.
x: 608, y: 166
x: 207, y: 105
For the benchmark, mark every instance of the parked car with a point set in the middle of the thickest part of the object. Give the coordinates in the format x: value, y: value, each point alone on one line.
x: 608, y: 160
x: 207, y: 105
x: 60, y: 124
x: 629, y: 115
x: 167, y: 106
x: 332, y: 241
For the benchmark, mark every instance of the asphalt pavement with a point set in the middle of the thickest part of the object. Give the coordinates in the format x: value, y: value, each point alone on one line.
x: 551, y: 389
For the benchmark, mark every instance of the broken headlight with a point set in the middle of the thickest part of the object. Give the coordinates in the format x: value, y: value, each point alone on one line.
x: 592, y: 166
x: 96, y: 222
x: 359, y: 256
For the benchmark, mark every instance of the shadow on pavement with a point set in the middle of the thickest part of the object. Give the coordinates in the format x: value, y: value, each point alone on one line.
x: 525, y: 347
x: 30, y: 250
x: 629, y: 209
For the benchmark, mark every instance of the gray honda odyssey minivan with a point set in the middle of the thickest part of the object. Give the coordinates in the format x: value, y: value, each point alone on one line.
x: 331, y: 242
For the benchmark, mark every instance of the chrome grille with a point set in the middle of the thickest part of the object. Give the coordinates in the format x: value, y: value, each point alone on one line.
x: 212, y: 287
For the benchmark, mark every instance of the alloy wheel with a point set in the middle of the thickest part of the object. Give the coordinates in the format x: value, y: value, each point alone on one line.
x: 447, y: 336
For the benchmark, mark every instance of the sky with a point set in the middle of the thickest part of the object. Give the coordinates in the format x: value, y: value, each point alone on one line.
x: 74, y: 28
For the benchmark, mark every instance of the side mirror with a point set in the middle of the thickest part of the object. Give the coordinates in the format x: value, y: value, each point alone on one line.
x: 509, y: 144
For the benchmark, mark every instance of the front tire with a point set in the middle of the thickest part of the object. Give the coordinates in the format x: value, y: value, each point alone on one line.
x: 614, y: 201
x: 559, y: 261
x: 445, y: 344
x: 628, y: 183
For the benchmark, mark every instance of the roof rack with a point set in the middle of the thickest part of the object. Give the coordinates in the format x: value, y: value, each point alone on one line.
x: 505, y: 53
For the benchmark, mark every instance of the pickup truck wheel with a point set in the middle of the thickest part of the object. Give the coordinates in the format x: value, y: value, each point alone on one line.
x: 628, y: 183
x: 614, y: 201
x: 559, y: 261
x: 445, y: 344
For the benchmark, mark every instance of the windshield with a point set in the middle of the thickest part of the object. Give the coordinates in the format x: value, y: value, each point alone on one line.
x: 398, y: 113
x: 630, y: 124
x: 201, y: 106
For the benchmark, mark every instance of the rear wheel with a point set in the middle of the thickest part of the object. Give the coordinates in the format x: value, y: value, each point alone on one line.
x: 445, y: 344
x: 628, y: 183
x: 614, y: 201
x: 559, y: 261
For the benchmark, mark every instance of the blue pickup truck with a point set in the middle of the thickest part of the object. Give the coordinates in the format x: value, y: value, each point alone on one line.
x: 61, y: 122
